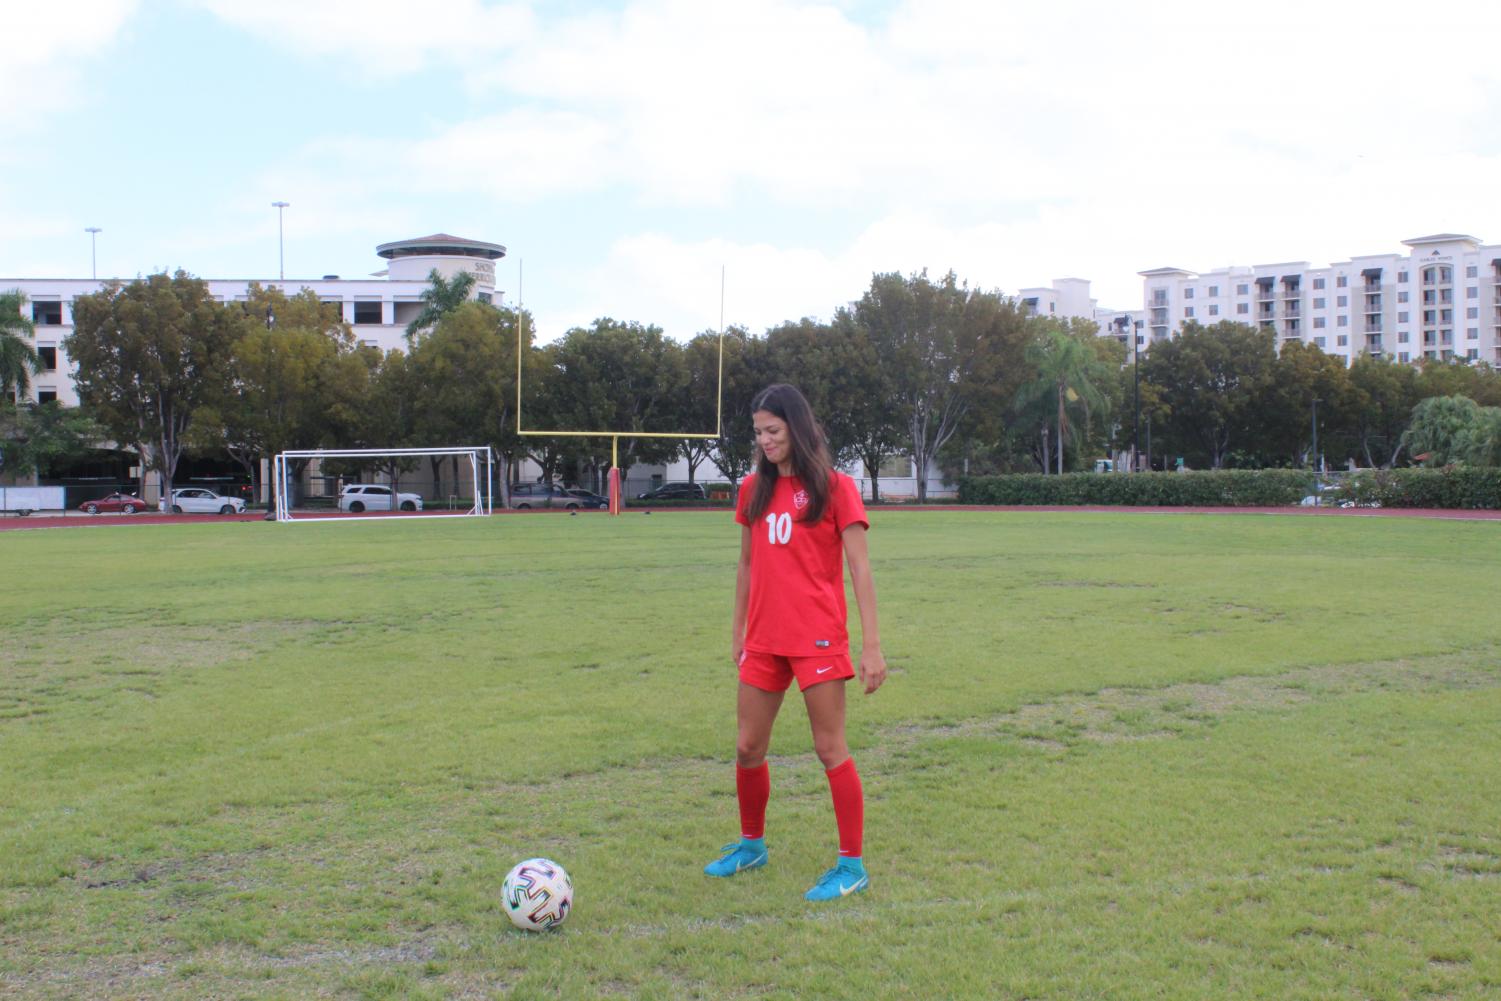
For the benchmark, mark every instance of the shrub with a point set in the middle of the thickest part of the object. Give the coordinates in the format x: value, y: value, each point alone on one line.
x: 1206, y: 488
x: 1465, y: 487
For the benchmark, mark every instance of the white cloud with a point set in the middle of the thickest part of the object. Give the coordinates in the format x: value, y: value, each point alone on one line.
x: 46, y: 43
x: 383, y: 38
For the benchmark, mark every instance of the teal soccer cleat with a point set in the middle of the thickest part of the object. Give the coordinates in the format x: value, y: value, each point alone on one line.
x: 844, y: 879
x: 738, y: 856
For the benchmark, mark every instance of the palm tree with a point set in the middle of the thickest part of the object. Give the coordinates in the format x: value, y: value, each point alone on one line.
x: 440, y: 298
x: 1067, y: 370
x: 18, y: 359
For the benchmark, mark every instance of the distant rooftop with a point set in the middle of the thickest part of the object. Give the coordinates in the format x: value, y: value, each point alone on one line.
x: 440, y: 245
x: 1419, y: 241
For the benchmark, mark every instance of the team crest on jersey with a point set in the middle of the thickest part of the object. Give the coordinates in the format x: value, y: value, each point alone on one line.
x: 800, y: 499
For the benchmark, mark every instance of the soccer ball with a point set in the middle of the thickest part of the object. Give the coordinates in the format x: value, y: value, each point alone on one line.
x: 538, y: 894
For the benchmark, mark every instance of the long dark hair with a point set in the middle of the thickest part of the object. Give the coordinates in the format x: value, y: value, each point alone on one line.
x: 810, y: 452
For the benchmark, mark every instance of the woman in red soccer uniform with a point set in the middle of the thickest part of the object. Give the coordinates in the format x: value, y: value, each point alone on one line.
x: 800, y: 520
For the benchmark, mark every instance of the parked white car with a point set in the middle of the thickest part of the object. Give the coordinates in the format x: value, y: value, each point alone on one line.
x: 197, y: 500
x: 357, y: 497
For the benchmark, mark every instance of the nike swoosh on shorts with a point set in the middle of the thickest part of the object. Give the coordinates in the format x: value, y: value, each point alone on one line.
x: 822, y: 670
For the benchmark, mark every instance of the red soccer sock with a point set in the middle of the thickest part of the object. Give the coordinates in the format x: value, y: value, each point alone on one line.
x: 753, y: 789
x: 849, y: 807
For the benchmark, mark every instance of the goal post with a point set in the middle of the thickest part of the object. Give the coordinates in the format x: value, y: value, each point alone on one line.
x: 481, y: 462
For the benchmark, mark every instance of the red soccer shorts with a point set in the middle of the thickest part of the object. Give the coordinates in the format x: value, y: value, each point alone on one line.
x: 773, y: 673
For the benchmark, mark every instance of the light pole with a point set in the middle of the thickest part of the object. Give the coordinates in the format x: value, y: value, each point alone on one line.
x: 93, y: 232
x: 281, y: 260
x: 1314, y: 458
x: 1136, y: 391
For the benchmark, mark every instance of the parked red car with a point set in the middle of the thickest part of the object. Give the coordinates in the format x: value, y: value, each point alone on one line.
x: 124, y: 503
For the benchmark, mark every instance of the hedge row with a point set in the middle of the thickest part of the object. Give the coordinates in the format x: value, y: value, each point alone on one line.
x: 1206, y: 488
x: 1452, y: 487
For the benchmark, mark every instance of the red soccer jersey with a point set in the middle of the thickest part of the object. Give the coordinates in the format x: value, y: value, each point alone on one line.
x: 797, y: 570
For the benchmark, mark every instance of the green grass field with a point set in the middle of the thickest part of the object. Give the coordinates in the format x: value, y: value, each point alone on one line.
x: 1119, y: 756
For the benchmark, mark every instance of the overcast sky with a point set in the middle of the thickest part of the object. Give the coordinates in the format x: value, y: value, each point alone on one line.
x: 626, y: 151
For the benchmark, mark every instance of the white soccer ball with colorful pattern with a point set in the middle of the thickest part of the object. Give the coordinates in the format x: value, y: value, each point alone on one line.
x: 538, y: 894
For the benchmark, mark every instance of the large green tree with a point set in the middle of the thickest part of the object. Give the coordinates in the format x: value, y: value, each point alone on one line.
x: 1385, y: 393
x: 1211, y: 380
x: 1069, y: 381
x: 19, y: 361
x: 467, y: 370
x: 620, y: 377
x: 935, y: 340
x: 1280, y: 424
x: 149, y: 354
x: 281, y: 379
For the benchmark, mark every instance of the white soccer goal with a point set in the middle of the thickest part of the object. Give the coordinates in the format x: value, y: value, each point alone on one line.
x: 354, y: 508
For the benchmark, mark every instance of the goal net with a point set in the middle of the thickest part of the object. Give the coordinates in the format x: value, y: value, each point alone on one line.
x: 304, y: 490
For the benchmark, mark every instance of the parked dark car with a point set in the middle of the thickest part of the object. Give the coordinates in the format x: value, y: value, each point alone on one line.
x: 124, y: 503
x: 675, y: 491
x: 589, y: 498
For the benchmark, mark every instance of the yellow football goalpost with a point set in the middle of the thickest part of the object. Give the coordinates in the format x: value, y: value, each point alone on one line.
x: 616, y: 501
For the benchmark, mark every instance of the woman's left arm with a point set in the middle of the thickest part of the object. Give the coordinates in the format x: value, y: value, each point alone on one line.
x: 857, y: 553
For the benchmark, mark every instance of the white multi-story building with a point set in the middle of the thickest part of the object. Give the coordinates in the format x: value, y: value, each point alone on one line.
x: 378, y: 307
x: 1441, y: 300
x: 1070, y: 298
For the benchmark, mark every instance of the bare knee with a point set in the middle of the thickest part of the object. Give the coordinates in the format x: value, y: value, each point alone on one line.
x: 831, y: 750
x: 750, y: 752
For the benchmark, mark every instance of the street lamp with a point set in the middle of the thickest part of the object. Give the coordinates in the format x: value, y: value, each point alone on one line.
x: 93, y: 232
x: 1136, y: 391
x: 281, y: 259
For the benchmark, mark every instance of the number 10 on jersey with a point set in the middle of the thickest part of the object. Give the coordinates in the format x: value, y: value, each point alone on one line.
x: 778, y: 528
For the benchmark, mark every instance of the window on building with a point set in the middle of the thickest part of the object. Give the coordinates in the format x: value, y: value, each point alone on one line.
x: 1472, y: 271
x: 1401, y: 277
x: 1188, y: 292
x: 1318, y: 283
x: 1402, y: 296
x: 1340, y: 282
x: 1318, y: 342
x: 1243, y: 290
x: 1242, y: 308
x: 367, y: 312
x: 1052, y: 307
x: 369, y: 342
x: 1344, y: 340
x: 1446, y: 316
x: 1402, y: 336
x: 1430, y: 316
x: 1214, y: 311
x: 1404, y: 357
x: 1188, y: 312
x: 1472, y: 292
x: 1341, y: 301
x: 46, y: 395
x: 1472, y: 313
x: 1318, y: 303
x: 1472, y: 334
x: 1343, y: 321
x: 49, y: 358
x: 1402, y: 317
x: 1472, y: 354
x: 47, y: 314
x: 484, y: 297
x: 1318, y: 323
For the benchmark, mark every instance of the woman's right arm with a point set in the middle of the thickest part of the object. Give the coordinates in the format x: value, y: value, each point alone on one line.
x: 742, y: 596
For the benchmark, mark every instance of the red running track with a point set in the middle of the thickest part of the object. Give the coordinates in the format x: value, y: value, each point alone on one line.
x: 80, y: 520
